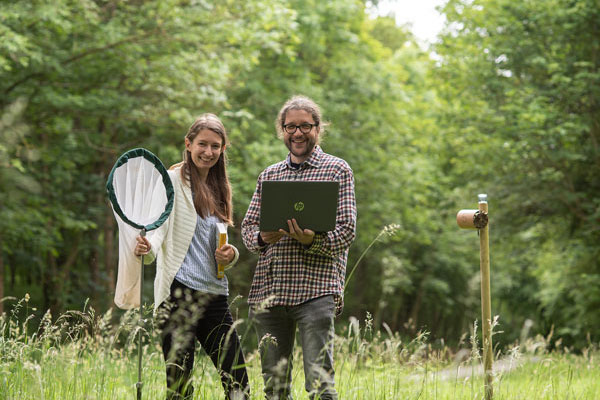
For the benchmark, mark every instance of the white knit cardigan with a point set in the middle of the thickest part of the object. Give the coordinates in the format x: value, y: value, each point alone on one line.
x: 173, y: 238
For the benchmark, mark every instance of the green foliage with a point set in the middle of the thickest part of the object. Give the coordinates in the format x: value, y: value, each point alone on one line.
x: 507, y: 105
x: 103, y: 77
x: 521, y: 88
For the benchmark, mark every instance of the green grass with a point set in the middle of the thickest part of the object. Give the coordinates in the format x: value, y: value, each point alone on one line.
x: 82, y: 356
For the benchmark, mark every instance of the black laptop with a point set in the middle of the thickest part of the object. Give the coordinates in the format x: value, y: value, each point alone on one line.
x: 312, y: 203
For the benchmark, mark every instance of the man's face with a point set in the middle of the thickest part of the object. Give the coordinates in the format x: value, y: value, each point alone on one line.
x: 300, y: 144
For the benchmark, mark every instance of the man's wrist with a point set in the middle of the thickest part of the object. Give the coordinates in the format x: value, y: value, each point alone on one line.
x: 315, y: 243
x: 307, y: 245
x: 261, y: 242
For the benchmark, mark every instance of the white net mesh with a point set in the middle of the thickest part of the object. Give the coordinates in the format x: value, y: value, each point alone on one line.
x: 141, y: 194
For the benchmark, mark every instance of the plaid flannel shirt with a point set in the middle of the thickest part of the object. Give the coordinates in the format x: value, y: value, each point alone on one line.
x: 289, y: 273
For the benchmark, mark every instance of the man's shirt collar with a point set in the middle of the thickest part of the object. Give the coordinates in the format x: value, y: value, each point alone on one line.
x: 313, y: 161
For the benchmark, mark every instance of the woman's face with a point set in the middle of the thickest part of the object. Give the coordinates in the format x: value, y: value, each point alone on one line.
x: 205, y: 149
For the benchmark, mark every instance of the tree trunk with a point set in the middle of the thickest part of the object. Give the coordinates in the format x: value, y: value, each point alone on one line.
x: 66, y: 266
x: 108, y: 224
x: 49, y: 291
x: 378, y: 317
x: 95, y: 272
x: 109, y: 253
x: 1, y: 276
x: 12, y: 271
x: 416, y: 307
x: 49, y: 269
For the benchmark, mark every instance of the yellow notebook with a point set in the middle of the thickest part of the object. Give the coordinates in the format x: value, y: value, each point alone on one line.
x: 222, y: 236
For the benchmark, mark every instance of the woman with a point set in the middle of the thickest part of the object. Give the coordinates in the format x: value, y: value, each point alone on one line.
x: 190, y: 300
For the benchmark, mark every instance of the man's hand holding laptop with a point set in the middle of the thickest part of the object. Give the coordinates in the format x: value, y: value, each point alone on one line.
x: 304, y: 236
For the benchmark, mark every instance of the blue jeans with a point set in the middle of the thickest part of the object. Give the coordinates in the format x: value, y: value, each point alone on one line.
x: 276, y: 329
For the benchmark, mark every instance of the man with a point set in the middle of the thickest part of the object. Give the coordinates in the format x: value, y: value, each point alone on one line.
x: 299, y: 278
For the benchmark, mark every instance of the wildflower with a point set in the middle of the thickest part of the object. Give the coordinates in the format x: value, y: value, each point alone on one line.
x: 267, y: 339
x: 32, y: 366
x: 391, y: 229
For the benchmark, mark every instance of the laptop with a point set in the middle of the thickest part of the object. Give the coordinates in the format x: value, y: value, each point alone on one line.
x: 312, y: 203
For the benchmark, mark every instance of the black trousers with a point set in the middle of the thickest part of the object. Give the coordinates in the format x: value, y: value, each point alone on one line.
x: 189, y: 315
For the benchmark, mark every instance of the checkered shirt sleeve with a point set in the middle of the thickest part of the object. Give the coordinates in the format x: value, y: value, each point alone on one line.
x: 289, y: 273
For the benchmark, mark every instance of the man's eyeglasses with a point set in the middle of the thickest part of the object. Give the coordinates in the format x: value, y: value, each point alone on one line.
x: 304, y: 128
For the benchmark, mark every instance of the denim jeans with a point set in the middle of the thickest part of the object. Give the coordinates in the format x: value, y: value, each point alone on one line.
x: 276, y: 330
x: 189, y: 316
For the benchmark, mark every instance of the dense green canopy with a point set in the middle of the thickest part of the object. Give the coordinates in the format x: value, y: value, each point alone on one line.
x: 506, y: 102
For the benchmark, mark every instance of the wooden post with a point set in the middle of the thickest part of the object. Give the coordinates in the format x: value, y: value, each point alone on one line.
x: 486, y: 302
x: 478, y: 219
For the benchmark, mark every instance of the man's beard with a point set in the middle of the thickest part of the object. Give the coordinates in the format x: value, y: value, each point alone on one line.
x: 310, y: 145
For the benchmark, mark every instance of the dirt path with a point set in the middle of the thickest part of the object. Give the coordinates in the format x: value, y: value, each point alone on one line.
x: 466, y: 370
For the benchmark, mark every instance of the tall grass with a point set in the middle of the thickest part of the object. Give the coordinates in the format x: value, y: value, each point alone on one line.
x: 81, y: 355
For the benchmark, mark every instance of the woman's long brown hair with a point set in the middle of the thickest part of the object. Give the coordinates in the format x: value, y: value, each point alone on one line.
x: 214, y: 195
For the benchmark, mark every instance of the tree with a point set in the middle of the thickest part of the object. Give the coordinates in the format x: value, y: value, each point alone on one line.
x: 16, y: 185
x: 99, y: 78
x: 521, y: 87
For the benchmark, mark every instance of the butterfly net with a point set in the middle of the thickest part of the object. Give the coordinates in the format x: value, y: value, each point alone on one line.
x: 141, y: 195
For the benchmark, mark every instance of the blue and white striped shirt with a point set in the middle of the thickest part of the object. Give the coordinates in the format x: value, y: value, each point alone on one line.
x: 199, y: 268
